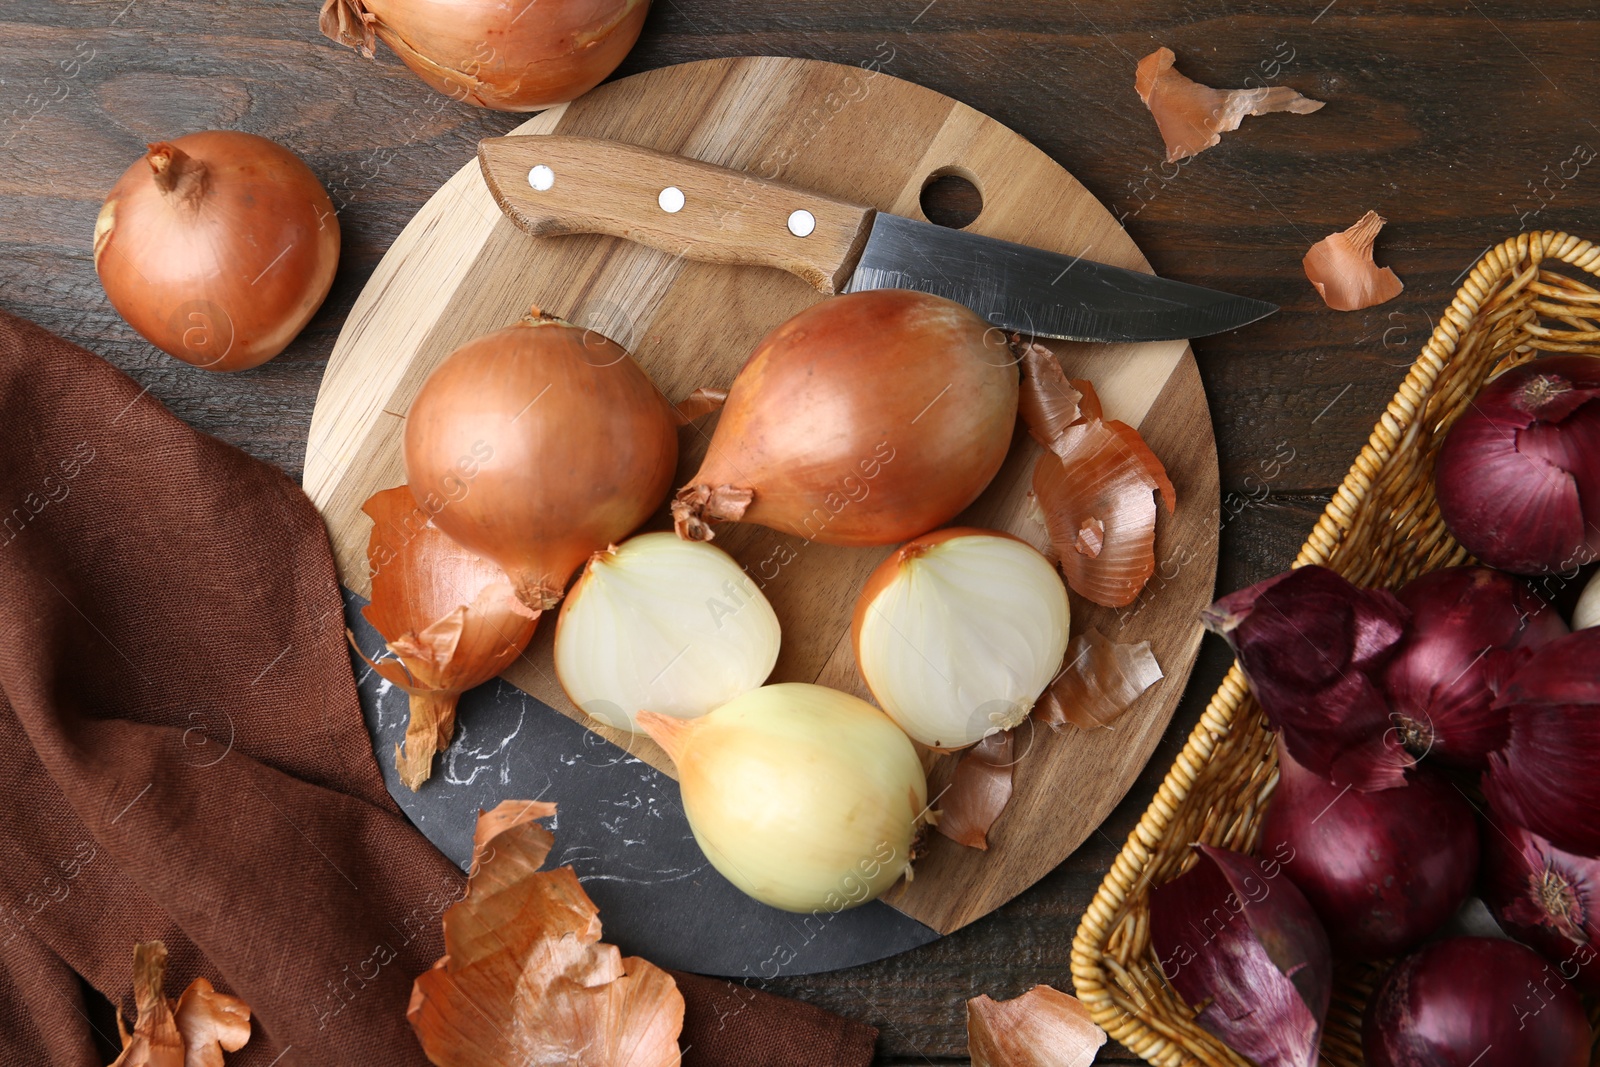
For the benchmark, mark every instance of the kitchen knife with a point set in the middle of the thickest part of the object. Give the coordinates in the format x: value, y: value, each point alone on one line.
x: 552, y: 184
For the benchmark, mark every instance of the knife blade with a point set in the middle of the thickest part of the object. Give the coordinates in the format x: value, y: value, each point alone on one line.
x: 555, y: 184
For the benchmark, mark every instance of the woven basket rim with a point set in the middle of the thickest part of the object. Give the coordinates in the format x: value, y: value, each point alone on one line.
x: 1106, y: 911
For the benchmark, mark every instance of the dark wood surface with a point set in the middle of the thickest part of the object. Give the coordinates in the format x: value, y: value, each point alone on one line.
x: 1453, y: 118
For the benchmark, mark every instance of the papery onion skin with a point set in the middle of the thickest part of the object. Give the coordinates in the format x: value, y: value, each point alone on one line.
x: 703, y: 632
x: 1341, y: 269
x: 217, y: 247
x: 1313, y: 648
x: 1234, y: 936
x: 1382, y: 870
x: 805, y: 798
x: 1545, y: 778
x: 1518, y: 475
x: 448, y: 616
x: 867, y: 419
x: 540, y: 444
x: 1544, y: 897
x: 486, y: 53
x: 935, y: 653
x: 1467, y: 627
x: 1476, y: 1002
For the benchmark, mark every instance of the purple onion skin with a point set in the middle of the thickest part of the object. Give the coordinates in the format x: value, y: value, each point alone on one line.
x: 1382, y: 870
x: 1233, y: 933
x: 1475, y: 1002
x: 1518, y: 475
x: 1468, y: 627
x: 1547, y: 778
x: 1544, y: 897
x: 1314, y: 647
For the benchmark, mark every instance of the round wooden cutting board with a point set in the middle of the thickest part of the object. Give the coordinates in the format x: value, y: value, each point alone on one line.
x: 461, y: 269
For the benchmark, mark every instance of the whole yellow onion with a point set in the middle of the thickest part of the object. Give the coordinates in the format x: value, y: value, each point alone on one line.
x: 509, y: 55
x: 806, y: 798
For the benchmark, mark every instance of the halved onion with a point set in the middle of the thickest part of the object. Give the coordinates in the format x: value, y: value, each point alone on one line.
x: 958, y: 632
x: 662, y: 624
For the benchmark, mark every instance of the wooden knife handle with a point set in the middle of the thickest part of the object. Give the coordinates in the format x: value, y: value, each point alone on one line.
x: 551, y: 184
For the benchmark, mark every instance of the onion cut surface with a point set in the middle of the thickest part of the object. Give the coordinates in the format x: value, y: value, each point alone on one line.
x: 958, y: 632
x: 665, y: 625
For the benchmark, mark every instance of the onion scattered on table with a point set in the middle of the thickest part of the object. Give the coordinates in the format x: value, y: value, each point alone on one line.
x: 868, y: 419
x: 537, y: 446
x: 1193, y: 117
x: 218, y: 247
x: 1341, y: 269
x: 662, y: 624
x: 958, y: 632
x: 805, y: 798
x: 506, y: 56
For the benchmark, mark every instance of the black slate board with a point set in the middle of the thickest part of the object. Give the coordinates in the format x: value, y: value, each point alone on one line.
x: 620, y: 826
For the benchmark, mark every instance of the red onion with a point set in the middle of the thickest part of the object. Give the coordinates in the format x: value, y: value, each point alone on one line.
x: 1313, y: 648
x: 1545, y: 778
x: 1232, y: 934
x: 1544, y: 896
x: 1475, y: 1002
x: 1382, y: 870
x: 1518, y: 475
x: 1467, y: 625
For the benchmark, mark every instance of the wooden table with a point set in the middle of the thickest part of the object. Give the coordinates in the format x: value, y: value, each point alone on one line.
x: 1456, y: 119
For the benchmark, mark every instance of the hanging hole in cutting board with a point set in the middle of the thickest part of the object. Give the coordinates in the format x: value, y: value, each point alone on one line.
x: 950, y: 197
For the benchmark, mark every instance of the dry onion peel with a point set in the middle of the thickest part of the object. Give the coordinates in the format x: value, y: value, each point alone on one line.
x: 867, y: 419
x: 1193, y: 117
x: 217, y: 247
x: 805, y: 798
x: 700, y: 403
x: 1094, y: 484
x: 1101, y: 680
x: 485, y: 53
x: 979, y: 791
x: 544, y: 443
x: 526, y: 979
x: 957, y: 633
x: 1042, y: 1028
x: 449, y: 617
x: 662, y: 624
x: 1341, y: 267
x: 192, y: 1031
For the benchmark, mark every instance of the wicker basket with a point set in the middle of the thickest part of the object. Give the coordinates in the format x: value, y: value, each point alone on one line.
x: 1381, y: 529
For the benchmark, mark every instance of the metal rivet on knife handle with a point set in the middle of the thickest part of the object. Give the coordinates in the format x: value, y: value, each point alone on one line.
x: 541, y: 177
x: 671, y: 200
x: 802, y: 222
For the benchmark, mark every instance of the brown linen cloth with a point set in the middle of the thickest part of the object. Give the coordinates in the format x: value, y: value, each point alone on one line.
x: 185, y: 759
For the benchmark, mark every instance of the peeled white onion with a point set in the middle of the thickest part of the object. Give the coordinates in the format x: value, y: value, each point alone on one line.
x: 1587, y: 613
x: 958, y: 632
x: 665, y: 625
x: 806, y: 798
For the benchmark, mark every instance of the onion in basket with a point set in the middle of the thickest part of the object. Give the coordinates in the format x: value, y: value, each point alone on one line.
x: 1234, y: 936
x: 1518, y: 474
x: 1545, y: 897
x: 1478, y: 1002
x: 806, y: 798
x: 958, y: 632
x: 665, y: 625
